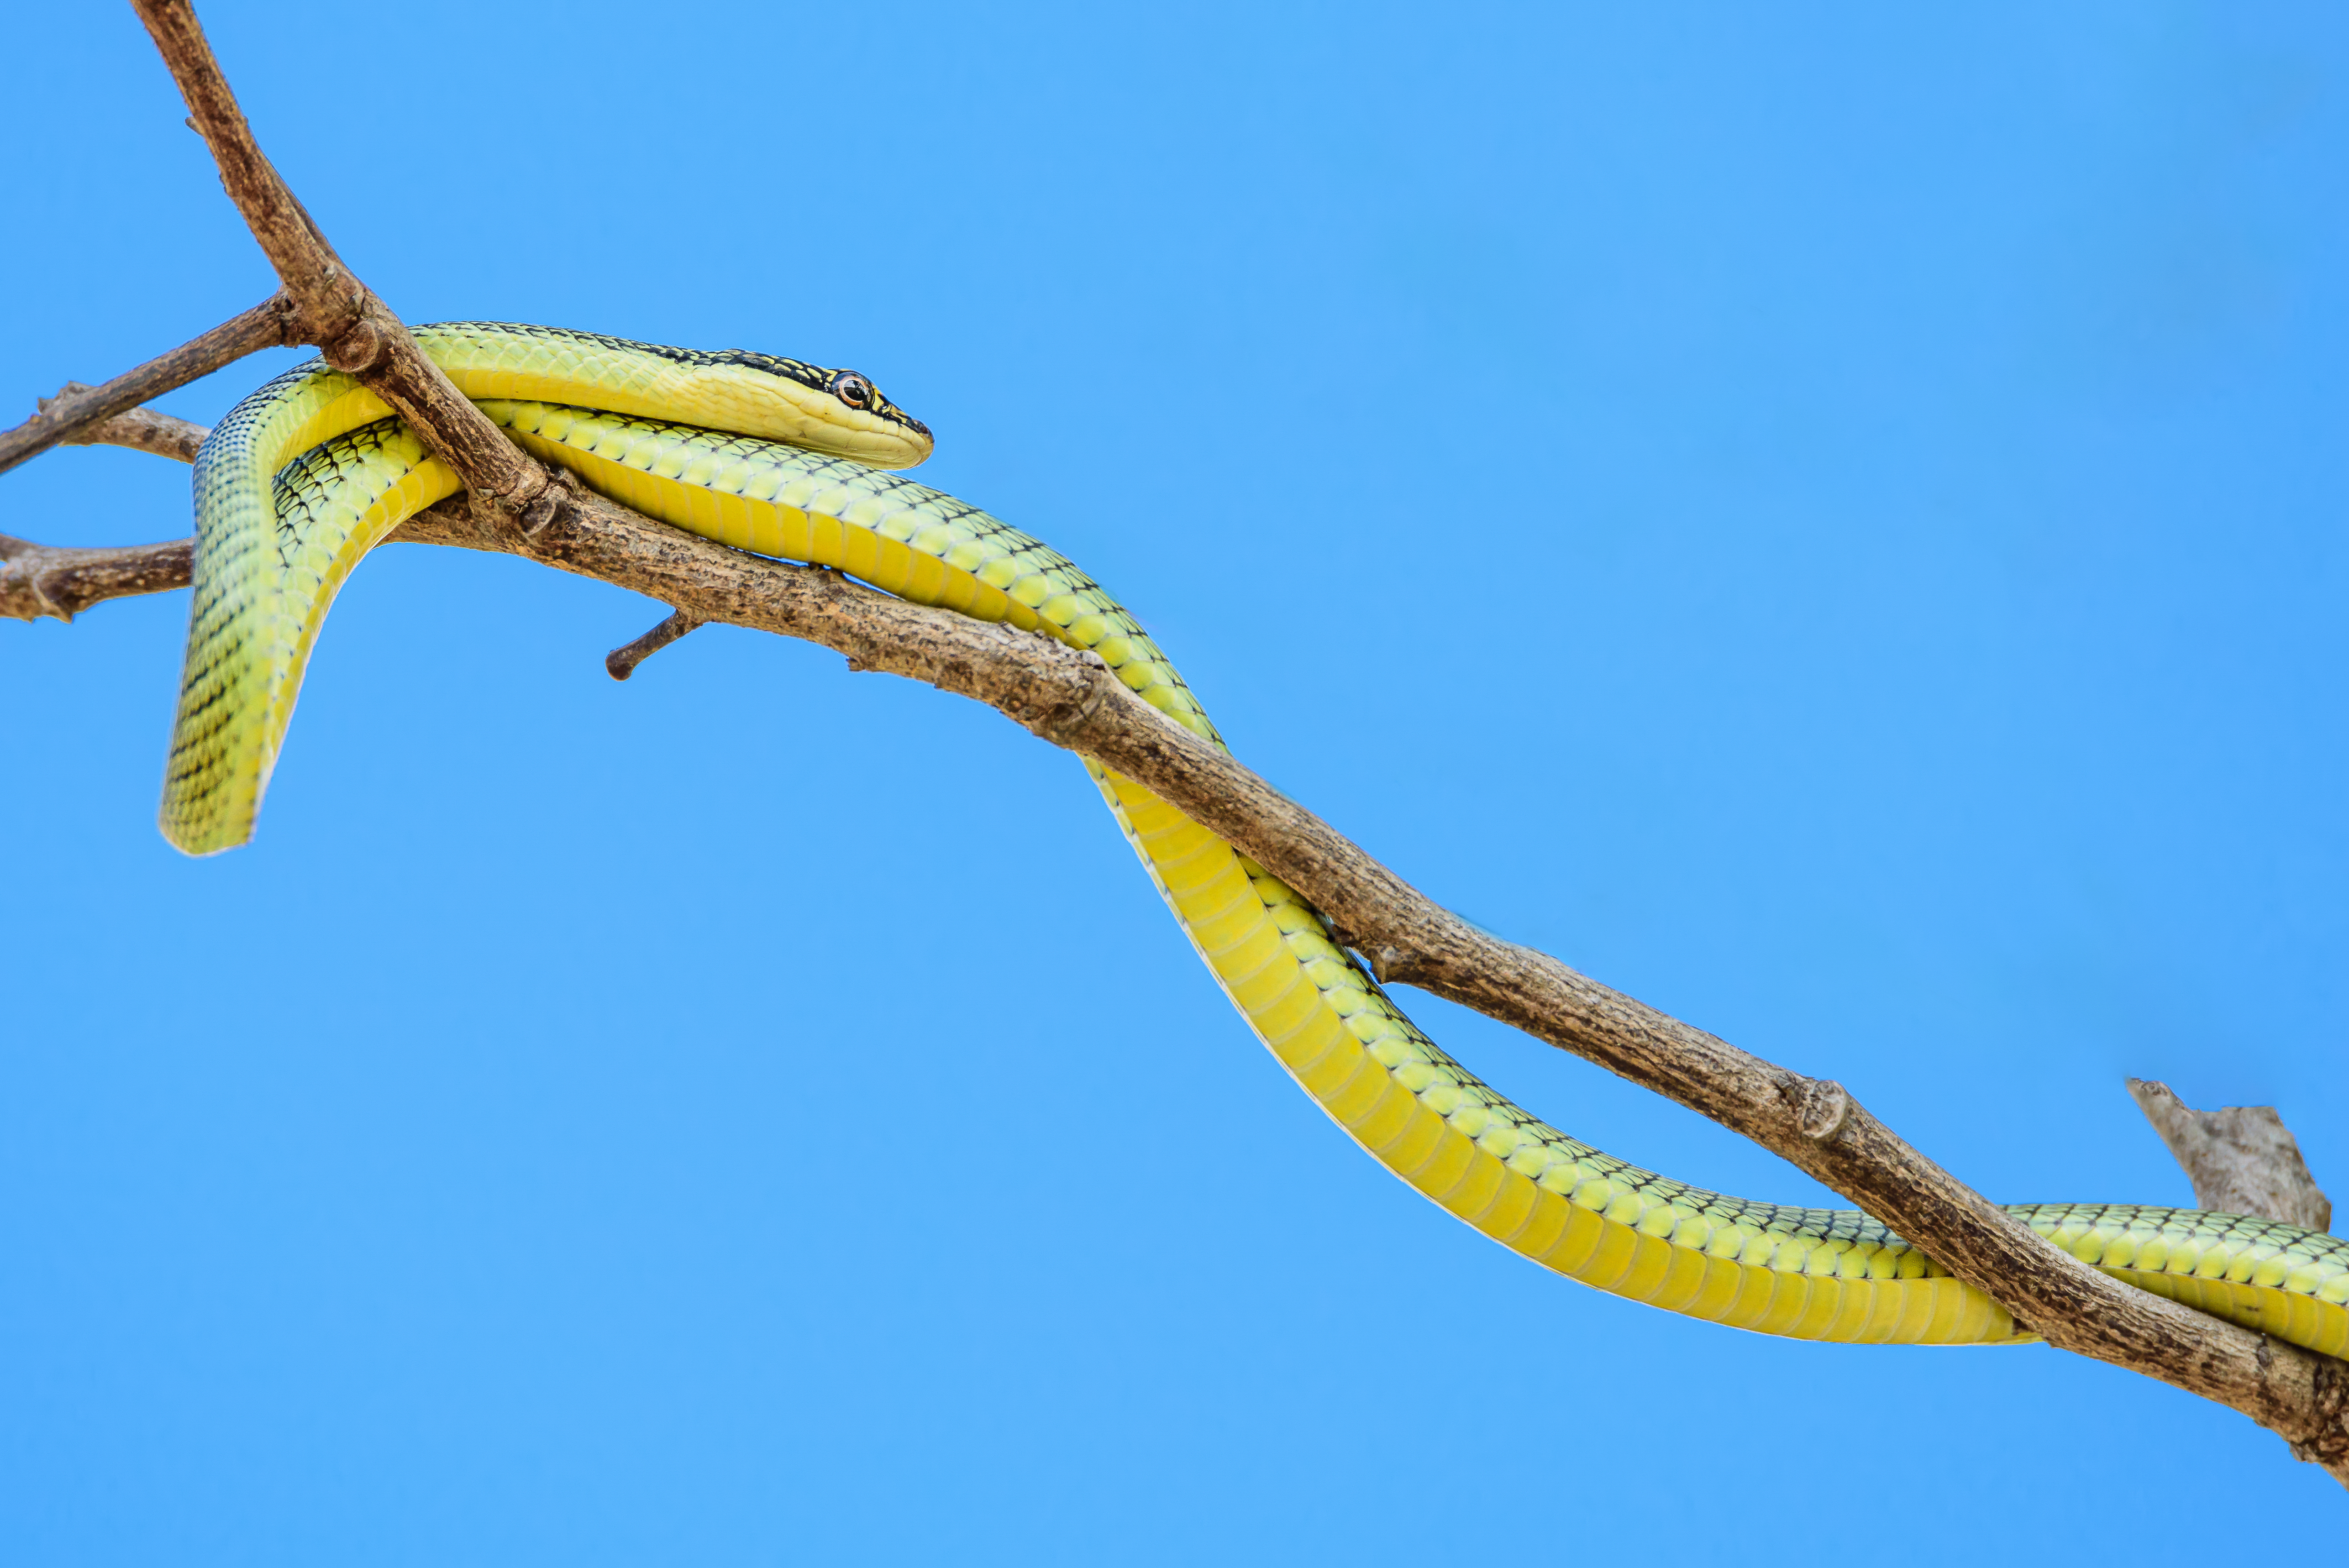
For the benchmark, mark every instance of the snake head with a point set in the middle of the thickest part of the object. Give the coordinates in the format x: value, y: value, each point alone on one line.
x: 882, y: 422
x: 837, y: 412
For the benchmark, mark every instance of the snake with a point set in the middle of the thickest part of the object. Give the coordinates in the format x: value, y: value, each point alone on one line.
x: 787, y: 459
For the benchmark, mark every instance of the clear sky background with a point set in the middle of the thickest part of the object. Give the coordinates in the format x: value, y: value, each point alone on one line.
x: 1831, y: 522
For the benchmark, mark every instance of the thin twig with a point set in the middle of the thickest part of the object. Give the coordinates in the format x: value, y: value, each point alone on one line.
x: 141, y: 429
x: 59, y: 581
x: 622, y: 662
x: 67, y: 416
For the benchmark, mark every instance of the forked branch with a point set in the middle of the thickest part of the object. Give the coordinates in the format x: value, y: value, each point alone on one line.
x: 72, y: 415
x: 356, y: 330
x: 1069, y: 699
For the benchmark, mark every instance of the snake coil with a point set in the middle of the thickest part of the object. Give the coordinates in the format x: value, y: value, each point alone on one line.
x: 787, y: 459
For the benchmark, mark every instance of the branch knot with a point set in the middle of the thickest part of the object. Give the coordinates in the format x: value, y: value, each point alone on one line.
x: 539, y: 511
x: 1825, y: 1111
x: 2328, y: 1444
x: 357, y: 349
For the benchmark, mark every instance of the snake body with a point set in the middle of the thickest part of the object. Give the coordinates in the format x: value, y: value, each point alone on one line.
x: 1808, y: 1274
x: 264, y: 580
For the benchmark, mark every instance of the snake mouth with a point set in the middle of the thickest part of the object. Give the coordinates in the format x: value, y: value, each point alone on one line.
x: 885, y: 423
x: 889, y: 441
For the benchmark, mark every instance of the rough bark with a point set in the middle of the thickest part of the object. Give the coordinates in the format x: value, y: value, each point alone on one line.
x: 332, y: 308
x: 56, y: 581
x: 622, y: 662
x: 1069, y: 698
x: 71, y: 416
x: 2242, y: 1158
x: 142, y: 430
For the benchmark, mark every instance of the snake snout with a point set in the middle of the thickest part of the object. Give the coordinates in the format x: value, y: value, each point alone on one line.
x: 854, y: 390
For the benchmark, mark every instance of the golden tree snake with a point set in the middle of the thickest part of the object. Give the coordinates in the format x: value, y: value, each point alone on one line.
x: 789, y: 459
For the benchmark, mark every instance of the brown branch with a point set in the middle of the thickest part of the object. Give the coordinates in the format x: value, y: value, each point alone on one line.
x: 52, y: 580
x: 2242, y: 1158
x: 61, y: 583
x: 1072, y: 700
x: 1069, y: 699
x: 327, y: 300
x: 141, y: 429
x: 357, y: 331
x: 55, y: 580
x: 67, y: 418
x: 622, y: 662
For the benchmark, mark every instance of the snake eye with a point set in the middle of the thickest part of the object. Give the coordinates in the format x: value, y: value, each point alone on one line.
x: 852, y: 389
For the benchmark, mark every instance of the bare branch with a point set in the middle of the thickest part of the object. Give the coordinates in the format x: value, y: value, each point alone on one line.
x: 1069, y: 698
x: 142, y: 430
x: 51, y: 579
x: 335, y: 310
x: 67, y: 418
x: 622, y: 662
x: 2242, y: 1158
x: 61, y: 583
x: 327, y: 300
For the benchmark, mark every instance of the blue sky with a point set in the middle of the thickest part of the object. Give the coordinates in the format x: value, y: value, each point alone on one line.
x: 1829, y: 521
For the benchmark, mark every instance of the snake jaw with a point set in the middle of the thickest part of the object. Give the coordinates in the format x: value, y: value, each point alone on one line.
x: 805, y: 411
x: 890, y: 439
x: 912, y: 434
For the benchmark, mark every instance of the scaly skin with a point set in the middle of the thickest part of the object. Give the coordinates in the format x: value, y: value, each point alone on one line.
x: 1805, y: 1272
x: 262, y: 591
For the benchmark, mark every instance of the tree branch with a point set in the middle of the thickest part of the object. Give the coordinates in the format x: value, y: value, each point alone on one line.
x: 2242, y: 1158
x: 1069, y: 698
x: 622, y: 662
x: 356, y: 330
x: 75, y: 411
x: 61, y: 583
x: 52, y: 580
x: 141, y: 429
x: 1072, y: 700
